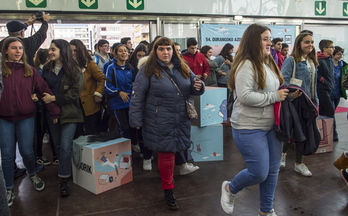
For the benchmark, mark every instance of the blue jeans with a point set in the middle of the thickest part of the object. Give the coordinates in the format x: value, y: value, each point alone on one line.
x: 63, y: 136
x: 262, y: 153
x: 24, y: 131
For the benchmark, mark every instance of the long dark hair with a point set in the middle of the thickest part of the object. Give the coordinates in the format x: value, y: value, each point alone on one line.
x: 225, y: 52
x: 152, y: 67
x: 133, y: 60
x: 40, y: 57
x: 70, y: 65
x: 82, y: 55
x: 6, y: 71
x: 205, y: 49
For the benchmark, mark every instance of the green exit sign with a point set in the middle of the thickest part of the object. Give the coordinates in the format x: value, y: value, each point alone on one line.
x: 36, y: 3
x: 135, y: 4
x: 320, y: 8
x: 88, y: 4
x: 345, y: 8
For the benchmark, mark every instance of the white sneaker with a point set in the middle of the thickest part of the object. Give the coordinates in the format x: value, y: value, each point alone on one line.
x: 187, y: 168
x: 227, y: 198
x: 270, y: 213
x: 147, y: 165
x: 136, y: 148
x: 303, y: 169
x: 282, y: 163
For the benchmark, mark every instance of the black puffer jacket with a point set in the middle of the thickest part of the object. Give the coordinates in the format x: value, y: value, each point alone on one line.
x: 297, y: 122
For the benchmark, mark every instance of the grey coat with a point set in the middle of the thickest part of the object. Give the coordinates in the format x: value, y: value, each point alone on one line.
x: 160, y: 109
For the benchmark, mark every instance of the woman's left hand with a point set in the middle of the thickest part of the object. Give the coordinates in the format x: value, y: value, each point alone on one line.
x: 124, y: 96
x: 198, y: 84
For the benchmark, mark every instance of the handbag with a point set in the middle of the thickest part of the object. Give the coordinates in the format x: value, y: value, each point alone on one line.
x: 294, y: 80
x: 190, y: 108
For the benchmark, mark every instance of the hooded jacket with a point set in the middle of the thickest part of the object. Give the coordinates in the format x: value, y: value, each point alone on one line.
x: 16, y: 103
x: 325, y: 77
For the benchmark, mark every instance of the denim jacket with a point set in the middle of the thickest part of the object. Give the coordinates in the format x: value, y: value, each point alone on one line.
x: 302, y: 73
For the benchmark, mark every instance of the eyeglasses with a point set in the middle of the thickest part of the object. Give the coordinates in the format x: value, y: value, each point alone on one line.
x: 107, y: 46
x: 331, y: 47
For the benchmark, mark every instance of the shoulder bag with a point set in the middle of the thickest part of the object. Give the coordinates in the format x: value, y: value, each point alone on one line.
x: 190, y: 108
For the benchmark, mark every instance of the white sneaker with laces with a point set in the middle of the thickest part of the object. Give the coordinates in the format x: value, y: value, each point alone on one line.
x: 303, y: 169
x: 187, y: 168
x: 227, y: 198
x: 283, y: 161
x: 147, y: 165
x: 270, y: 213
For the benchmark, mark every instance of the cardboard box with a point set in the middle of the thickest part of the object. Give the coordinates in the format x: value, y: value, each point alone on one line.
x: 99, y: 167
x: 325, y: 126
x: 211, y: 106
x: 207, y: 143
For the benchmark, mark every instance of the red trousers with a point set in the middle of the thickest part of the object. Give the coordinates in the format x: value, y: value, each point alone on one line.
x: 166, y: 163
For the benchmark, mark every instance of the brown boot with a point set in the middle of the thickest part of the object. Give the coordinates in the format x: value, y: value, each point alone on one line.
x: 342, y: 162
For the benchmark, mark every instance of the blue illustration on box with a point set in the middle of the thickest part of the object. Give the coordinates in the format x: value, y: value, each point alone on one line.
x: 210, y: 110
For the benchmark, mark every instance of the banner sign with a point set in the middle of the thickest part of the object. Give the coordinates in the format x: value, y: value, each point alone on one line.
x: 220, y: 34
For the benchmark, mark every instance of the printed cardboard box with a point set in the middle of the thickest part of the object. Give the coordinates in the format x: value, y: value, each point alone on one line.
x: 325, y: 126
x: 207, y: 143
x: 99, y: 167
x: 211, y: 106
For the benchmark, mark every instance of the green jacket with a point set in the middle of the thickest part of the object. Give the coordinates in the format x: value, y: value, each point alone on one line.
x: 344, y: 82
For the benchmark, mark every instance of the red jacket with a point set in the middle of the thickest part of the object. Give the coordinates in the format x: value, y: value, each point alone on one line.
x: 197, y: 63
x: 280, y: 60
x: 16, y: 102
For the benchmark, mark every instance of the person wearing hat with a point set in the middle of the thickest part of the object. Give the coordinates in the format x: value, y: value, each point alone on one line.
x: 32, y: 43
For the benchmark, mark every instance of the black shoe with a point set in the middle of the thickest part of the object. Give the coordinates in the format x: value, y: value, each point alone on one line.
x: 64, y: 189
x: 170, y: 198
x: 19, y: 172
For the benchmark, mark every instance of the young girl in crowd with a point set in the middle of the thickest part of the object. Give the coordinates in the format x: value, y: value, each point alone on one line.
x: 140, y: 52
x: 118, y: 85
x: 65, y: 79
x: 17, y: 111
x: 305, y: 58
x: 207, y: 51
x: 93, y: 88
x: 159, y: 108
x: 255, y: 79
x: 41, y: 58
x: 224, y: 61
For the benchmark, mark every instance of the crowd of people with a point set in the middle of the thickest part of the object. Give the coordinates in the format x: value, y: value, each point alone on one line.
x: 67, y: 91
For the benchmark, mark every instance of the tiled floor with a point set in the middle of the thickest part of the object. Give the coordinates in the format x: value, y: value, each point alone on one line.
x: 198, y: 194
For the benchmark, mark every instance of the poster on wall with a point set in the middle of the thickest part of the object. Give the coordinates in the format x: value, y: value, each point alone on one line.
x: 217, y: 35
